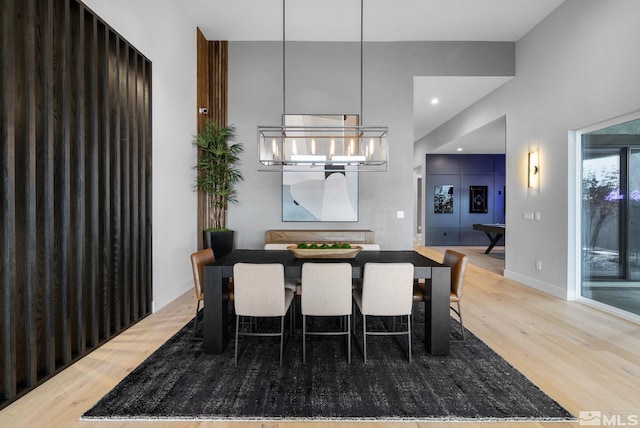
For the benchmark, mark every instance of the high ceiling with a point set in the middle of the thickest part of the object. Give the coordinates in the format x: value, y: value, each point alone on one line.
x: 384, y: 20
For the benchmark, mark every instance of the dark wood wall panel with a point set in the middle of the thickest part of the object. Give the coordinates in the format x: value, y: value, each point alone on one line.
x: 75, y: 220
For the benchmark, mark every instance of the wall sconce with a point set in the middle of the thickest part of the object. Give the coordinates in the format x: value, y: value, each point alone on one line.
x: 534, y: 170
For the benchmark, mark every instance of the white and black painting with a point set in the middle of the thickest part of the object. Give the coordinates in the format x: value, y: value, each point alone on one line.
x: 443, y: 199
x: 320, y: 193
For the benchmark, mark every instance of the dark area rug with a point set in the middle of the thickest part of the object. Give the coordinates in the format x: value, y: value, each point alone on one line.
x: 473, y: 383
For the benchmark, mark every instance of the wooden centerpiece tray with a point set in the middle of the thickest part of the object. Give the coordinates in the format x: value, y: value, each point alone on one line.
x: 325, y: 253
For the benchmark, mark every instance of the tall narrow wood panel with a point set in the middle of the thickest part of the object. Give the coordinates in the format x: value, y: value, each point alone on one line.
x: 45, y: 188
x: 75, y: 215
x: 8, y: 200
x: 212, y: 93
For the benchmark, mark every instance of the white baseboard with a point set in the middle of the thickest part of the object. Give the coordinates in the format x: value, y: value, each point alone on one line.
x: 164, y: 299
x: 551, y: 289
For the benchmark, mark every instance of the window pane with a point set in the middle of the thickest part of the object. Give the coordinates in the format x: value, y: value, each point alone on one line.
x: 601, y: 213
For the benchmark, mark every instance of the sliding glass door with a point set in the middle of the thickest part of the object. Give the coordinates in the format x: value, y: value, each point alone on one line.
x: 634, y: 214
x: 611, y: 216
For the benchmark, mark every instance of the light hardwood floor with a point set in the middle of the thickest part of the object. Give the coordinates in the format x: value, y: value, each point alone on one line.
x: 583, y: 358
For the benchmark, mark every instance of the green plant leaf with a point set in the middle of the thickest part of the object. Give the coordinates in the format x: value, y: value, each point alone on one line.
x: 217, y: 174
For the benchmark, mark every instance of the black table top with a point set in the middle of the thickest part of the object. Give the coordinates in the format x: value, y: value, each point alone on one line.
x: 421, y: 264
x: 286, y: 257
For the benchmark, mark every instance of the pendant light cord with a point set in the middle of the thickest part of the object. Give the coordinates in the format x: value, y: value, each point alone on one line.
x: 361, y: 56
x: 284, y: 69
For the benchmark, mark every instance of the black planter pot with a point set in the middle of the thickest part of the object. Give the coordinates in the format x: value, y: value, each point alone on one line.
x: 221, y: 242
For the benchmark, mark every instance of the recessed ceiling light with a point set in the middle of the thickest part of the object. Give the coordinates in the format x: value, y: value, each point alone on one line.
x: 459, y: 149
x: 434, y: 101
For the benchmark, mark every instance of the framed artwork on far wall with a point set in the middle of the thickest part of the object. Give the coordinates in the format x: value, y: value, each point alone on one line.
x: 323, y: 193
x: 443, y: 199
x: 478, y: 199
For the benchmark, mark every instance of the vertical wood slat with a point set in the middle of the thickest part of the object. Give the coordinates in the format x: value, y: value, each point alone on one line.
x: 133, y: 179
x: 78, y: 194
x: 105, y: 186
x: 125, y: 189
x: 64, y: 235
x: 20, y: 184
x: 141, y: 188
x: 116, y: 229
x: 93, y: 172
x: 7, y: 198
x: 45, y: 191
x: 148, y: 96
x: 28, y: 190
x: 75, y: 104
x: 218, y: 86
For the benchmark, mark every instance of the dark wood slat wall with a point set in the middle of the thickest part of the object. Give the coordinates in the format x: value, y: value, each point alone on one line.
x: 211, y: 92
x: 75, y: 215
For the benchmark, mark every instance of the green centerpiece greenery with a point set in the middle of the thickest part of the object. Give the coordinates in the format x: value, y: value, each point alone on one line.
x: 323, y: 246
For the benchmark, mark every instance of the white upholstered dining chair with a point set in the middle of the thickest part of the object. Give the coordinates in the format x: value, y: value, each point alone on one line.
x: 387, y: 291
x: 259, y: 291
x: 326, y: 292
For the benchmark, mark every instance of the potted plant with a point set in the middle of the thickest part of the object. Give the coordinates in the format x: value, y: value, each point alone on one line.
x: 217, y: 177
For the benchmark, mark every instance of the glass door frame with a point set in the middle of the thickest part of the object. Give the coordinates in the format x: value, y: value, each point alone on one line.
x: 575, y: 217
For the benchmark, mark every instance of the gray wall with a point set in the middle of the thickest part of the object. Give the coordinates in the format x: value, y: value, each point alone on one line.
x: 325, y: 78
x: 578, y: 67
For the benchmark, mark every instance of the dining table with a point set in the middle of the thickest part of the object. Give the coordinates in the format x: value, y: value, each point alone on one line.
x: 437, y: 292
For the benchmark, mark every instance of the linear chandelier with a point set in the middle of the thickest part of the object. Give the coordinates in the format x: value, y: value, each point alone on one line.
x: 298, y: 147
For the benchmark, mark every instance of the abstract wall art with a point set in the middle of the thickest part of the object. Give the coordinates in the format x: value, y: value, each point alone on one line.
x: 320, y: 193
